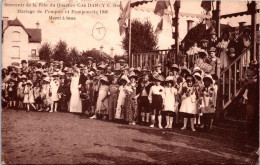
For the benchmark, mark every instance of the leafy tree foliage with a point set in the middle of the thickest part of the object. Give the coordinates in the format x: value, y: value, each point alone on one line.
x: 45, y: 51
x: 143, y: 37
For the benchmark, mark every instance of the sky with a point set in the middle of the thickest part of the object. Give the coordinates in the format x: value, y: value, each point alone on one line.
x: 78, y: 33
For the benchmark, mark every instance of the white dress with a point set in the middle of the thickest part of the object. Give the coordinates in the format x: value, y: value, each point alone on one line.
x: 120, y: 102
x: 102, y: 93
x: 75, y: 101
x: 169, y: 101
x: 246, y: 56
x: 188, y: 104
x: 223, y: 54
x: 54, y: 90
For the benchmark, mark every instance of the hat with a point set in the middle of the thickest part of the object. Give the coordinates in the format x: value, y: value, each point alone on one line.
x: 38, y: 70
x: 23, y: 77
x: 176, y: 67
x: 104, y: 78
x: 82, y: 65
x: 125, y: 68
x: 197, y: 69
x: 213, y: 32
x: 208, y: 77
x: 102, y: 66
x: 55, y: 74
x: 185, y: 69
x: 159, y: 78
x: 66, y: 69
x: 121, y: 60
x: 158, y: 65
x: 246, y: 30
x: 169, y: 79
x: 24, y: 62
x: 212, y: 49
x: 46, y: 79
x: 138, y: 69
x: 197, y: 75
x: 62, y: 74
x: 29, y: 82
x: 89, y: 58
x: 91, y: 73
x: 132, y: 74
x: 145, y: 69
x: 204, y: 40
x: 44, y: 74
x: 131, y: 69
x: 189, y: 77
x: 125, y: 78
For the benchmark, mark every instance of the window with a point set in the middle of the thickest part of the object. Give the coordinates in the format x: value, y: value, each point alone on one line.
x: 33, y: 52
x: 15, y: 52
x: 16, y: 36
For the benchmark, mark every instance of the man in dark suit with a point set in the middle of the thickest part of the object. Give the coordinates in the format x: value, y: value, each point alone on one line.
x: 235, y: 46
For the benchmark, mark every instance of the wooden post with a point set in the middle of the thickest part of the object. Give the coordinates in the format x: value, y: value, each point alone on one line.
x: 253, y: 29
x: 218, y: 18
x: 177, y: 29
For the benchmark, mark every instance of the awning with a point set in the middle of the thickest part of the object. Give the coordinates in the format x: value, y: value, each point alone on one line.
x: 135, y: 4
x: 237, y: 14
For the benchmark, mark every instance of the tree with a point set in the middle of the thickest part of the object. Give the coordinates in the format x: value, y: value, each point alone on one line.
x: 60, y: 51
x: 142, y: 38
x: 45, y: 51
x: 74, y: 56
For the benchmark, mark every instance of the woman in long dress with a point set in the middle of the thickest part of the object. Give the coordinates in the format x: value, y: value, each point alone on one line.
x: 246, y: 43
x: 223, y: 49
x: 75, y: 101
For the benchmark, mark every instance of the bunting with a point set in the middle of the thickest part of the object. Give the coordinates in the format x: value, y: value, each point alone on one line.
x: 124, y: 15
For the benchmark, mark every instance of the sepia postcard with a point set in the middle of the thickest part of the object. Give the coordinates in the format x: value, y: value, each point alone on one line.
x: 130, y: 82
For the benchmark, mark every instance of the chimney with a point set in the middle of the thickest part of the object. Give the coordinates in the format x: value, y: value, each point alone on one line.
x: 5, y: 22
x: 37, y: 25
x: 189, y: 24
x: 112, y: 51
x: 241, y: 26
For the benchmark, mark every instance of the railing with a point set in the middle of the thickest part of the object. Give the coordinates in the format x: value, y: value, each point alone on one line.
x: 164, y: 57
x: 231, y: 77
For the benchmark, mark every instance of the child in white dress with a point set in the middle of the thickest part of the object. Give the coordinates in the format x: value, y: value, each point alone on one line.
x: 170, y: 105
x: 189, y: 101
x: 28, y: 95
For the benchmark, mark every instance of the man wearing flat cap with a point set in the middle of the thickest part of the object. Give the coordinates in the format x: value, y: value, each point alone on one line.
x: 24, y: 70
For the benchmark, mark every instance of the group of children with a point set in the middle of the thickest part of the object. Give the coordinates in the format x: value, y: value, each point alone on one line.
x: 134, y: 95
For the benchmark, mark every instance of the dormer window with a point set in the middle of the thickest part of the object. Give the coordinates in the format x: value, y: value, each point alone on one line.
x: 16, y: 36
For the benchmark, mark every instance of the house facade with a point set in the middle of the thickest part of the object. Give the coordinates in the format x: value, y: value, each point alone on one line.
x: 18, y: 42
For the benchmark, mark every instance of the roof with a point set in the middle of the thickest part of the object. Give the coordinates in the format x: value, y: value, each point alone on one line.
x: 35, y: 35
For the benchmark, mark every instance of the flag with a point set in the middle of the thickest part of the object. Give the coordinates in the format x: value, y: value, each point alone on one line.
x: 206, y: 5
x: 159, y: 27
x: 160, y: 7
x: 177, y: 4
x: 124, y: 15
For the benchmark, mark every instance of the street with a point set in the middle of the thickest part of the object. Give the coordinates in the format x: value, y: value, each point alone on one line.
x: 64, y: 138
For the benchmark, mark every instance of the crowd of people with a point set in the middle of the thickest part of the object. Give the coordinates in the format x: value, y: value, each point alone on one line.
x: 117, y: 92
x: 135, y: 95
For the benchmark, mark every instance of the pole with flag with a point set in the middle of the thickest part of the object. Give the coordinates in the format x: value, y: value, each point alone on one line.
x: 130, y: 37
x: 177, y: 5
